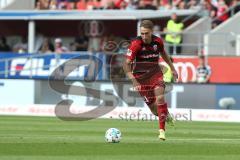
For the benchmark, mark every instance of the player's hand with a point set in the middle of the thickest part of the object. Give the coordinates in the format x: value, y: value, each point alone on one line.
x: 175, y: 75
x: 136, y: 84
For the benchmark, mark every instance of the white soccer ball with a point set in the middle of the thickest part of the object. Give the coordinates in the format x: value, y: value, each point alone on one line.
x: 113, y: 135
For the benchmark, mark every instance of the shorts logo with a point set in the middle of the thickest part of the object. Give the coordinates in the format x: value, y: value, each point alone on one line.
x: 155, y: 47
x: 129, y: 52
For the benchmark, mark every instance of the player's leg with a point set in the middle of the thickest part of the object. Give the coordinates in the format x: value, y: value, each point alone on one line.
x: 156, y: 102
x: 161, y: 110
x: 153, y: 107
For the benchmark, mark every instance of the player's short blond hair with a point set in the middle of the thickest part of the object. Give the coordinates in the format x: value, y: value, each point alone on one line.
x: 147, y: 24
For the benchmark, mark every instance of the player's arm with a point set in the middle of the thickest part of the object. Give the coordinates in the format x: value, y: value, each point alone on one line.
x: 167, y: 59
x: 127, y: 68
x: 163, y: 68
x: 129, y: 58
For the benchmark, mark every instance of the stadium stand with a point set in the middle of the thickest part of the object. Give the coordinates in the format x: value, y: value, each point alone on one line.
x: 192, y: 43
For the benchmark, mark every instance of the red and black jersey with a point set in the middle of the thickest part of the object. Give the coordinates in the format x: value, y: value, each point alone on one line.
x: 145, y: 57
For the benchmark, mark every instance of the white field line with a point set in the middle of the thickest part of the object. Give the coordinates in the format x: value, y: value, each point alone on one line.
x: 203, y: 139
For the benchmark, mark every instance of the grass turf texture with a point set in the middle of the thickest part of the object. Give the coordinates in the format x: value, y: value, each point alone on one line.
x: 38, y: 138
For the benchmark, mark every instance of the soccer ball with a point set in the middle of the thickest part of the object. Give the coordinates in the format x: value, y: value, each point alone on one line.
x: 113, y: 135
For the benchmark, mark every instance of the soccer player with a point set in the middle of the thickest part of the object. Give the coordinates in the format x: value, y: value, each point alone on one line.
x: 142, y: 67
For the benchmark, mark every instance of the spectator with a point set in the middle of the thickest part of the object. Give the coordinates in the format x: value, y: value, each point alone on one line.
x: 205, y: 7
x: 175, y: 4
x: 182, y: 5
x: 193, y: 4
x: 47, y: 46
x: 42, y: 4
x: 81, y: 5
x: 164, y: 5
x: 173, y: 36
x: 93, y: 4
x: 122, y: 5
x: 59, y: 48
x: 71, y: 4
x: 53, y: 4
x: 141, y: 5
x: 62, y: 4
x: 203, y: 71
x: 3, y: 45
x: 105, y: 3
x: 81, y: 43
x: 38, y: 5
x: 132, y: 5
x: 234, y: 3
x: 111, y: 5
x: 22, y: 46
x: 221, y: 11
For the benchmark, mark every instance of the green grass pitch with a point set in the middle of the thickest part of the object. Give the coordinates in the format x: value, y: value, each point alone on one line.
x: 38, y: 138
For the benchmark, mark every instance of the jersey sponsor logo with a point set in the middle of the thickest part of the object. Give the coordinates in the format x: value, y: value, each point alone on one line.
x: 149, y: 56
x: 129, y: 52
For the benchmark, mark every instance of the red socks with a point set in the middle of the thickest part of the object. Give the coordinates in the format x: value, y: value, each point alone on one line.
x: 162, y: 115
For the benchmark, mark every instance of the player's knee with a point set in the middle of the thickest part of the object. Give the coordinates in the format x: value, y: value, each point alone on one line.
x: 160, y: 99
x: 153, y: 109
x: 154, y: 112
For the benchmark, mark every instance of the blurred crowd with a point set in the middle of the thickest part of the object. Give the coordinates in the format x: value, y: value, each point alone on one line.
x: 18, y: 47
x: 215, y: 7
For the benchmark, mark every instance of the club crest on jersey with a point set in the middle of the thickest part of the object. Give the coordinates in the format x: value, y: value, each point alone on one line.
x: 129, y: 52
x: 155, y: 47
